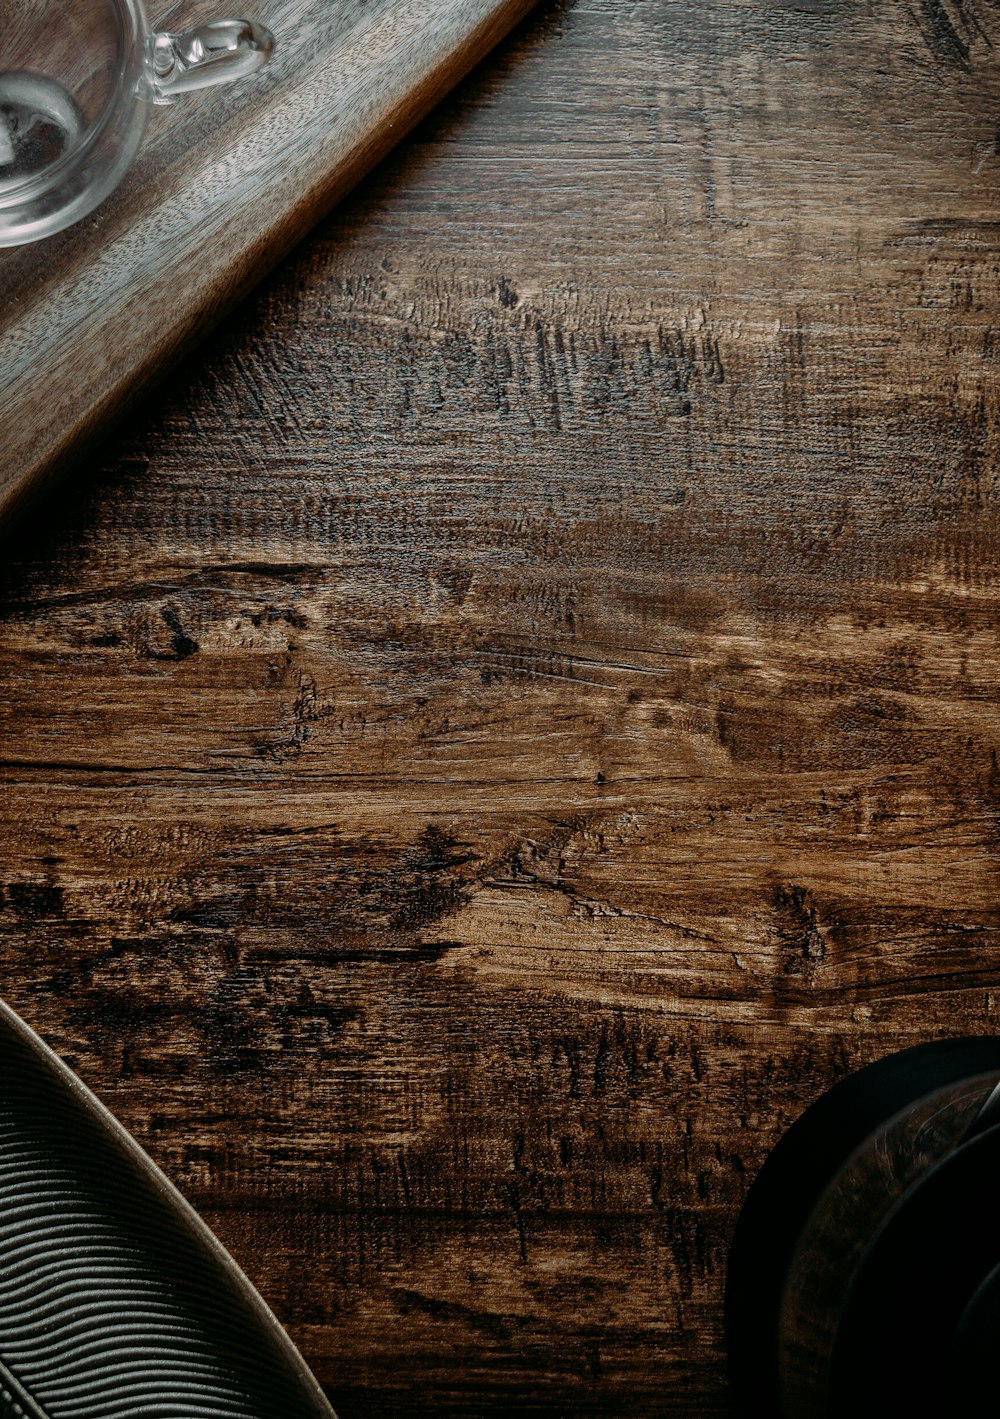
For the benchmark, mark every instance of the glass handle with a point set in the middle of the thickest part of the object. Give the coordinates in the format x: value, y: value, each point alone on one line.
x: 205, y: 55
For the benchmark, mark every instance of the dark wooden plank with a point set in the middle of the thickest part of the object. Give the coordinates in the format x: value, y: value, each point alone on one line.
x: 518, y: 718
x: 225, y: 184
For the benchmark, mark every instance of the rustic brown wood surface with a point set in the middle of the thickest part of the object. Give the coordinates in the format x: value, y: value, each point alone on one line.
x: 226, y: 181
x: 516, y: 718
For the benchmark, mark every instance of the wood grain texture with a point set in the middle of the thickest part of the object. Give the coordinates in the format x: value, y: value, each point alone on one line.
x: 517, y: 718
x: 226, y: 182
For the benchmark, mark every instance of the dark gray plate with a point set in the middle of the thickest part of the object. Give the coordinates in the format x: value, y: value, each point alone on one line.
x: 116, y: 1301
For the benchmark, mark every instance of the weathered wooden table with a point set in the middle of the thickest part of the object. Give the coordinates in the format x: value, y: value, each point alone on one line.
x: 516, y: 718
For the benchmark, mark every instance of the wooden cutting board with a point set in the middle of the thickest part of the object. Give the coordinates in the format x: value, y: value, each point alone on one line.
x: 226, y: 182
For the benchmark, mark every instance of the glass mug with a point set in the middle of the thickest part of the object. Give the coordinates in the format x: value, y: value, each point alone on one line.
x: 76, y: 80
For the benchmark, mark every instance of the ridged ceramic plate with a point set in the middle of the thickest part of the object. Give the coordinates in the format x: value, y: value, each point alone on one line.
x: 116, y: 1301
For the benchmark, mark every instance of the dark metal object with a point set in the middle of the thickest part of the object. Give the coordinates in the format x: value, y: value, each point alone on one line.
x: 872, y: 1172
x: 919, y: 1280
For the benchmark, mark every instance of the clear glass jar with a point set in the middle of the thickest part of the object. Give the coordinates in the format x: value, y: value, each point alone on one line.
x: 76, y: 82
